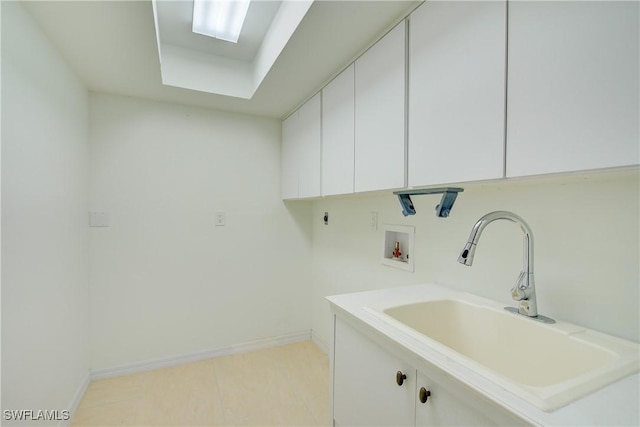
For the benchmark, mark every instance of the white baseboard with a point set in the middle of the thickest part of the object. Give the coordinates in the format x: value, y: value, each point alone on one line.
x: 75, y: 401
x: 147, y: 365
x: 319, y: 342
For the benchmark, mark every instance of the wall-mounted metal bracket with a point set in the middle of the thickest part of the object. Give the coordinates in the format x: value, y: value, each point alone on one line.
x: 443, y: 209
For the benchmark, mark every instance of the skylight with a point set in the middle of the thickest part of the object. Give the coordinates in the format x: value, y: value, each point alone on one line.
x: 221, y: 19
x: 190, y: 61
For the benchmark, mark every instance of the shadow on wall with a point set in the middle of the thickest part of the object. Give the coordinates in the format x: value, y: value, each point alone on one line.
x: 301, y: 212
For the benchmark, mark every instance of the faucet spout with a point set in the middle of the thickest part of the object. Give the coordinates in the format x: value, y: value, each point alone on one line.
x: 524, y: 289
x: 466, y: 256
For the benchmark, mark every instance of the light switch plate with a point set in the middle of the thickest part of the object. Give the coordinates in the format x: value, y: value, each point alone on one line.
x: 373, y: 221
x: 98, y: 219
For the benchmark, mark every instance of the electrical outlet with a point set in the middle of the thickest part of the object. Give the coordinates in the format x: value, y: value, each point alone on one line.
x: 373, y: 220
x: 220, y: 218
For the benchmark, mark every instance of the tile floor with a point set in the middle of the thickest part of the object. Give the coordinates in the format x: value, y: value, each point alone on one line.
x: 285, y: 386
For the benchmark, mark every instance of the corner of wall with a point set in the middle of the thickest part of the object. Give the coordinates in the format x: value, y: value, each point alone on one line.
x: 44, y: 221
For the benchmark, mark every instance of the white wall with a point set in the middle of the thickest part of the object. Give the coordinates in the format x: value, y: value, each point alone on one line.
x: 165, y: 280
x: 45, y: 239
x: 586, y: 231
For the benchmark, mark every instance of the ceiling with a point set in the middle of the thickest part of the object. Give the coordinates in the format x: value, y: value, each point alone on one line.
x: 112, y: 47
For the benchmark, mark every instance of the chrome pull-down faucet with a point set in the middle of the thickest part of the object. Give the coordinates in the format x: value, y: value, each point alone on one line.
x: 524, y: 289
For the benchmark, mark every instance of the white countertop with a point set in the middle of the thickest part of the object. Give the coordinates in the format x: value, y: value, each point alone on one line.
x: 615, y: 404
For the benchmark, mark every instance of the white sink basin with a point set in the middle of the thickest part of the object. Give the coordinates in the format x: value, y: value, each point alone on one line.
x: 548, y: 365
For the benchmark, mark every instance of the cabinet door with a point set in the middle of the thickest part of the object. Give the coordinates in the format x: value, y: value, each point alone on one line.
x: 457, y: 53
x: 365, y: 392
x: 301, y: 142
x: 446, y: 408
x: 453, y: 404
x: 572, y: 86
x: 380, y: 114
x: 338, y: 109
x: 290, y: 136
x: 309, y: 149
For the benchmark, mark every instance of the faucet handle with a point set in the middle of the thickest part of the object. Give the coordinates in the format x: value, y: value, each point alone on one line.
x: 527, y: 309
x: 518, y: 292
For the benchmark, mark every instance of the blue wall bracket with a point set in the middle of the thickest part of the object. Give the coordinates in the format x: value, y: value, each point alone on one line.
x: 443, y: 209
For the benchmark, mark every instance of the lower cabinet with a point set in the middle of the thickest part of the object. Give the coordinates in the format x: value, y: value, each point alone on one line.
x: 374, y: 387
x: 437, y: 405
x: 365, y: 387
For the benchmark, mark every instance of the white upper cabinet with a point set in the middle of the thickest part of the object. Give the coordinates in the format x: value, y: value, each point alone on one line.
x: 380, y: 114
x: 572, y: 86
x: 338, y: 109
x: 301, y: 142
x: 290, y: 135
x: 310, y: 144
x: 457, y: 55
x: 556, y: 90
